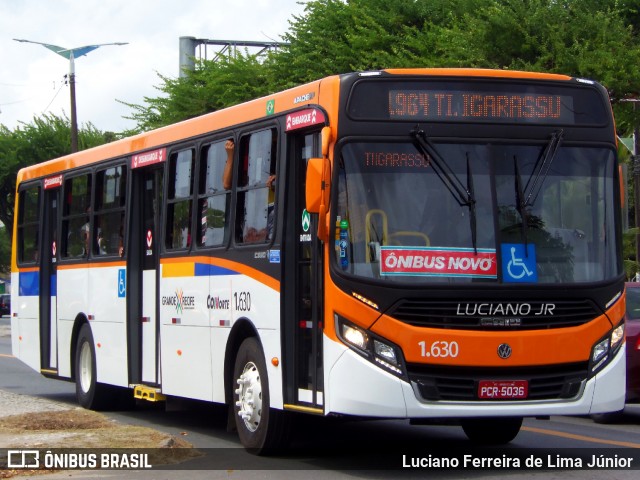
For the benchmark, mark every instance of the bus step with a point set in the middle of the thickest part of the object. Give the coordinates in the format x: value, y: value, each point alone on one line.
x: 149, y: 394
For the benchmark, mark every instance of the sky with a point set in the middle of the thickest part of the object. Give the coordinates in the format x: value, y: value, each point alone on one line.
x: 32, y: 77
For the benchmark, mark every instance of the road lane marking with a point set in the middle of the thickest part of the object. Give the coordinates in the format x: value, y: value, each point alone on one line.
x: 6, y: 356
x: 583, y: 438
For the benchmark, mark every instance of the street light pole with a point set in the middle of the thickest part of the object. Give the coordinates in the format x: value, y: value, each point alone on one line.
x: 70, y: 54
x: 72, y: 94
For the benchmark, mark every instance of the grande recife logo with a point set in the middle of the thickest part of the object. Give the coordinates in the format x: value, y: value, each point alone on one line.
x: 438, y: 261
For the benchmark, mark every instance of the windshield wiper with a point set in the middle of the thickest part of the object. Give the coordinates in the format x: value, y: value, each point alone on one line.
x: 463, y: 195
x: 542, y: 168
x: 472, y: 206
x: 521, y: 203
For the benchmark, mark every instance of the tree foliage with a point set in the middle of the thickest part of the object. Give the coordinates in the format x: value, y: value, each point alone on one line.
x: 45, y: 138
x: 582, y: 38
x: 211, y: 86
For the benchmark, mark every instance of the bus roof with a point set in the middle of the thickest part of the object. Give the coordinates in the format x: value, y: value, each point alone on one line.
x: 210, y: 122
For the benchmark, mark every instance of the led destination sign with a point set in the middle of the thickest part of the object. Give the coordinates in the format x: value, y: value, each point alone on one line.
x: 468, y: 106
x: 477, y: 101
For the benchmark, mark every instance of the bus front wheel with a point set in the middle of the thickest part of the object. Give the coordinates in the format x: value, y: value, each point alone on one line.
x: 261, y: 429
x: 491, y: 431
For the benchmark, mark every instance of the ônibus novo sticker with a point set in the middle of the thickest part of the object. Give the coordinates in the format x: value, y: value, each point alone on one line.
x: 438, y: 261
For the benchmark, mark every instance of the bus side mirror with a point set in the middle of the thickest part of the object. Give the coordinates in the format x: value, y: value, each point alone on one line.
x: 318, y: 191
x: 326, y: 139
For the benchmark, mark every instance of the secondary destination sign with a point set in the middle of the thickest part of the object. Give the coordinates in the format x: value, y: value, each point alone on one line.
x: 304, y: 118
x: 149, y: 158
x: 53, y: 182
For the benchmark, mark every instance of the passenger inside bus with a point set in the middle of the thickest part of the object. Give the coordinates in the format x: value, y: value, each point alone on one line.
x: 227, y: 175
x: 256, y: 182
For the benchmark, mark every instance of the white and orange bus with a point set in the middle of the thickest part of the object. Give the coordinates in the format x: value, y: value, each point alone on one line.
x: 422, y: 244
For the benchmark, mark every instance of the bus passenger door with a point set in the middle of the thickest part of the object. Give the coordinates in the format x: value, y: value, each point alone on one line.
x: 303, y: 286
x: 48, y: 282
x: 143, y: 327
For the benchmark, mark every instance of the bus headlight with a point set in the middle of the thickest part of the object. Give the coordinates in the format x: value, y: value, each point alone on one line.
x: 600, y: 350
x: 355, y: 336
x: 386, y: 356
x: 617, y: 336
x: 606, y: 348
x: 375, y: 349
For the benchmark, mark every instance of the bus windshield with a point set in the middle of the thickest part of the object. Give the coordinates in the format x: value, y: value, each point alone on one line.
x: 525, y: 215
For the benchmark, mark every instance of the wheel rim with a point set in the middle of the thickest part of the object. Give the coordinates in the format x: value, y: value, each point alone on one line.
x: 86, y: 373
x: 249, y: 393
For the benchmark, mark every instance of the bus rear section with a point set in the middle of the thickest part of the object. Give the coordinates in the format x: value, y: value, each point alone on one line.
x: 475, y: 256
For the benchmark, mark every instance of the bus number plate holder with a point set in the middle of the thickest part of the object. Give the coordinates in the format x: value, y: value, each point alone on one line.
x: 503, y: 389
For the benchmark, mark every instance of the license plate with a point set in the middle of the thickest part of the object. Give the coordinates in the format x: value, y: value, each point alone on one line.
x: 503, y: 389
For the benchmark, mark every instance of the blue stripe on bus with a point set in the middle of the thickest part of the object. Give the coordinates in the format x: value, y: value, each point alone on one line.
x: 205, y: 270
x: 29, y: 284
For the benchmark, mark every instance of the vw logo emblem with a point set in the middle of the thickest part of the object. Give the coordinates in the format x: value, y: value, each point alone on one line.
x: 504, y: 351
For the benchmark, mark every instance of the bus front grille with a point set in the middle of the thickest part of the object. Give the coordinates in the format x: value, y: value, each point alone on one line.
x: 494, y: 315
x: 461, y: 384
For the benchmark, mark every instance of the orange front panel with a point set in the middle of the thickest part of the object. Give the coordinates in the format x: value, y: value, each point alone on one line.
x: 344, y: 304
x: 480, y: 348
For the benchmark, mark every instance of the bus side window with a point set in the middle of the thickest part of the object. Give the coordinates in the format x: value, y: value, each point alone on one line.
x: 76, y: 217
x: 255, y: 212
x: 178, y: 233
x: 111, y: 188
x: 28, y: 225
x: 213, y: 198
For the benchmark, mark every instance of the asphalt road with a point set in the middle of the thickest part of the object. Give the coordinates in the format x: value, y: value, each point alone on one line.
x: 323, y: 448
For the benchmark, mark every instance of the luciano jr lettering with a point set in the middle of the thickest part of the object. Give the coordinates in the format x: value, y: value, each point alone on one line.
x: 491, y: 309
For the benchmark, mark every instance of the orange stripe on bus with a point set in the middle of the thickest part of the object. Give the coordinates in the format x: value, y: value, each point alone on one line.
x: 477, y: 72
x: 235, y: 266
x: 28, y: 269
x: 75, y: 266
x: 212, y: 122
x: 186, y: 269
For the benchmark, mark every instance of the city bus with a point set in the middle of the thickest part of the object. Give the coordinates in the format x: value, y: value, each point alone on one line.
x: 437, y: 245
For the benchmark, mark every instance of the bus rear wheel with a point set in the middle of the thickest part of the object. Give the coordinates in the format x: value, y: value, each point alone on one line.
x: 261, y: 429
x: 491, y: 431
x: 89, y: 393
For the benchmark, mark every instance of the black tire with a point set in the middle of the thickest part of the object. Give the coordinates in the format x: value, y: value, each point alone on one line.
x: 608, y: 418
x: 89, y: 393
x: 491, y: 431
x: 262, y: 430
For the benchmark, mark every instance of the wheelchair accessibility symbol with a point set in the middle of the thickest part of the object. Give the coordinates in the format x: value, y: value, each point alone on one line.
x: 122, y: 283
x: 518, y: 264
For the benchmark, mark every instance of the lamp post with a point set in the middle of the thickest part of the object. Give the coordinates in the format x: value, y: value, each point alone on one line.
x: 71, y: 54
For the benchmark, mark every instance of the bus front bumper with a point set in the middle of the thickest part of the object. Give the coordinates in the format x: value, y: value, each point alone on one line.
x: 355, y: 386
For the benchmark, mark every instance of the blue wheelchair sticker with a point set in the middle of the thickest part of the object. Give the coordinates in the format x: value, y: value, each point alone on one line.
x: 122, y: 283
x: 518, y: 264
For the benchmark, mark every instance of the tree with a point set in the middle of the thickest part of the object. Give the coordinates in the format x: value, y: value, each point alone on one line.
x: 45, y: 138
x: 582, y: 38
x: 210, y: 87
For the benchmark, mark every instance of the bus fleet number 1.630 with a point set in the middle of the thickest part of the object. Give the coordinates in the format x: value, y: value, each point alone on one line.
x: 439, y: 349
